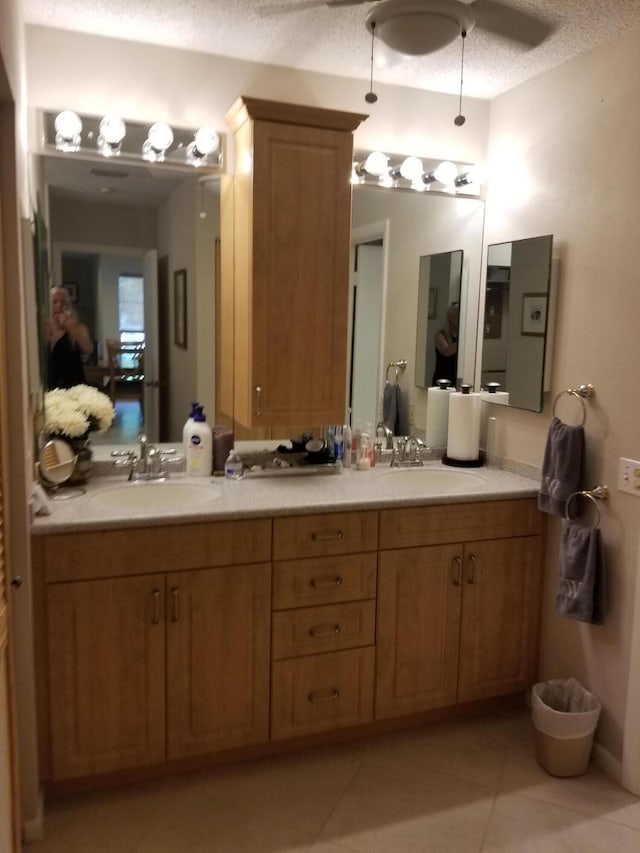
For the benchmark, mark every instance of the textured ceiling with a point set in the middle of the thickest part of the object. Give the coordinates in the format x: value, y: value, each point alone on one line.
x: 306, y: 34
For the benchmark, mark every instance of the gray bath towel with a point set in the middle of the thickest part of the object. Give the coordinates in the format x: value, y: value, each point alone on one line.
x: 580, y: 592
x: 561, y: 466
x: 390, y: 407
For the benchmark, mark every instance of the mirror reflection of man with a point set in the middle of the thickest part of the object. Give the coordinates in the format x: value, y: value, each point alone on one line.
x: 446, y: 343
x: 67, y: 339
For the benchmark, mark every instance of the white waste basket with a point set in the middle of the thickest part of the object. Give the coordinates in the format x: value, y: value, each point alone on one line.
x: 565, y: 716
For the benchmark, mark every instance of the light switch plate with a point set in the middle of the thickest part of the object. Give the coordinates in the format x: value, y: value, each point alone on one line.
x: 629, y: 476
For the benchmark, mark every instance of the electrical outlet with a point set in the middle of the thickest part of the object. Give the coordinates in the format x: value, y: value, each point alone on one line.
x: 412, y: 414
x: 629, y: 476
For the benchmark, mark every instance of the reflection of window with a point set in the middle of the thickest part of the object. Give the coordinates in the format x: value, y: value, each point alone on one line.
x: 130, y: 311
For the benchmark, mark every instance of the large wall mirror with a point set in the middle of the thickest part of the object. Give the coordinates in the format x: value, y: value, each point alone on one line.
x: 517, y: 306
x: 121, y: 234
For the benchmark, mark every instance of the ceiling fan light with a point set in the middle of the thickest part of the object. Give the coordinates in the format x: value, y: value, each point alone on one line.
x: 417, y: 34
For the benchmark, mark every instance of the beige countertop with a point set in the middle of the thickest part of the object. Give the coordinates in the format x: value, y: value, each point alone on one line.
x: 222, y: 499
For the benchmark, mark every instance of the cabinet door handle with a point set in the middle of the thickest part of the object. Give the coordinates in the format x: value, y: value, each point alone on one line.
x: 328, y: 536
x: 457, y: 571
x: 324, y: 630
x: 175, y: 604
x: 258, y: 400
x: 156, y: 606
x: 321, y: 583
x: 473, y: 563
x: 324, y: 695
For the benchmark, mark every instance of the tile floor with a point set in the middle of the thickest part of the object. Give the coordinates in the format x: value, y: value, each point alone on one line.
x: 462, y: 787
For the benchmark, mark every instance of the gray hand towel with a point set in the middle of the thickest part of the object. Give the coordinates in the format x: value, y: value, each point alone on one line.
x: 561, y: 466
x: 580, y: 593
x: 390, y: 407
x: 402, y: 413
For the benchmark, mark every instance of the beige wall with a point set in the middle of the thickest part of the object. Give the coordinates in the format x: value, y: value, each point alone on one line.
x: 574, y: 134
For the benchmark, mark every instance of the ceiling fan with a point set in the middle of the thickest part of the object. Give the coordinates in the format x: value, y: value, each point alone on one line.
x: 420, y: 27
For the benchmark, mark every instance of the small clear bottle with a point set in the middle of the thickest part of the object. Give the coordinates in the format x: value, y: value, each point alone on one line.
x: 233, y: 467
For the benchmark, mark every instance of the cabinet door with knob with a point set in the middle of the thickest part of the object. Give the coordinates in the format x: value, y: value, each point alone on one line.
x: 218, y: 641
x: 106, y: 674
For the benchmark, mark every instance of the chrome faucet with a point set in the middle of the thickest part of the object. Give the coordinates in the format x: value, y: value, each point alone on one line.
x: 408, y: 452
x: 150, y: 464
x: 383, y: 431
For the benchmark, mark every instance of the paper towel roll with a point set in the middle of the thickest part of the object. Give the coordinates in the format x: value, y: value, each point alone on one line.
x: 437, y: 416
x: 463, y: 434
x: 493, y: 394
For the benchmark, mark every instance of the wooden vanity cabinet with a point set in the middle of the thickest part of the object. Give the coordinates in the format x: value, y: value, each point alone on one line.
x: 458, y: 610
x: 144, y: 666
x: 323, y: 624
x: 285, y: 290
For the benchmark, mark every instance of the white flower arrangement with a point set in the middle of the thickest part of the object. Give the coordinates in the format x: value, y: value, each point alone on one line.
x: 76, y: 411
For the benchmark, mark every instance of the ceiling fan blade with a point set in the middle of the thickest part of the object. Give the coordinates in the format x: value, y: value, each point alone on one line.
x: 513, y: 24
x: 284, y: 6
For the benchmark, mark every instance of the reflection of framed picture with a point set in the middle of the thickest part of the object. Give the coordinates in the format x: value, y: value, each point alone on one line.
x: 534, y: 313
x: 433, y: 303
x: 180, y: 308
x: 72, y: 290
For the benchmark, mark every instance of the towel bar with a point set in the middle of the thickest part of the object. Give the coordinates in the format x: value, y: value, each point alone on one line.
x: 598, y: 493
x: 581, y: 393
x: 399, y: 365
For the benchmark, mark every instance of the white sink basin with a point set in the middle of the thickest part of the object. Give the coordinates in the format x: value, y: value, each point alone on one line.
x: 156, y: 496
x: 434, y: 479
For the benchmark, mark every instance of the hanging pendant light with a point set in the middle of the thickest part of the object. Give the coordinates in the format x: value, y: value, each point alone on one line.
x: 371, y: 96
x: 459, y: 120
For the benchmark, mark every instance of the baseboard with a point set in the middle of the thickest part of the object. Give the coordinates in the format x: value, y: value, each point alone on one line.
x: 605, y: 761
x: 33, y: 828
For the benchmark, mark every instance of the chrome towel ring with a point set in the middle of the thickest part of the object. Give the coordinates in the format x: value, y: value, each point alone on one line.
x: 599, y: 493
x: 581, y: 393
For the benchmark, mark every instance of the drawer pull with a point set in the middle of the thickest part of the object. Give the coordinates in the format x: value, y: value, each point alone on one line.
x: 156, y: 606
x: 328, y: 536
x: 175, y: 604
x: 324, y: 630
x: 321, y: 583
x: 473, y: 562
x: 323, y: 695
x: 258, y: 400
x: 457, y: 575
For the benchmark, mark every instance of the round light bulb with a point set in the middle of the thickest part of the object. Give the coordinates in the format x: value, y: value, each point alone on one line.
x: 377, y: 163
x: 160, y: 136
x: 446, y: 172
x: 411, y: 168
x: 68, y: 124
x: 206, y: 140
x: 112, y: 129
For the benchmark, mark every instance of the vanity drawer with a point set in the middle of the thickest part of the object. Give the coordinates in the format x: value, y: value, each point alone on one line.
x: 412, y: 527
x: 322, y: 692
x: 324, y: 534
x: 323, y: 629
x: 324, y: 580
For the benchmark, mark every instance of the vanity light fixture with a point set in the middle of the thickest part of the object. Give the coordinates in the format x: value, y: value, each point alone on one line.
x: 158, y: 139
x: 112, y: 131
x: 68, y: 126
x: 411, y: 173
x: 206, y: 142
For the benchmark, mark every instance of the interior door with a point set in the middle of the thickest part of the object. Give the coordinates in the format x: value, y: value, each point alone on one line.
x: 367, y: 320
x: 151, y: 370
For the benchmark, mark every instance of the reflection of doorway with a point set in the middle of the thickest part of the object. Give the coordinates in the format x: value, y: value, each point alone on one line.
x: 95, y: 271
x: 367, y: 323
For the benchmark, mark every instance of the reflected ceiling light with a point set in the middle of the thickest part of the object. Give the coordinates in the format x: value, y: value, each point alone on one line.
x: 205, y: 142
x: 446, y: 172
x: 376, y: 164
x: 158, y: 139
x: 112, y: 132
x: 68, y: 126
